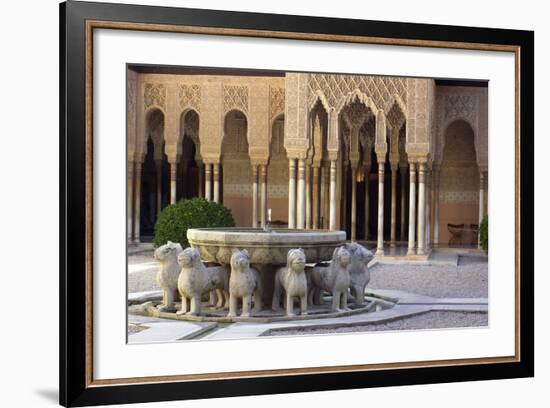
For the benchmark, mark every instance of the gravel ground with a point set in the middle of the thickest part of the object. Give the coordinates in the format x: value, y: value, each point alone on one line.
x: 430, y: 320
x: 467, y: 280
x: 145, y: 279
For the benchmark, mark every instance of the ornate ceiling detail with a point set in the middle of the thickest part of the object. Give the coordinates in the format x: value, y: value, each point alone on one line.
x: 155, y: 94
x: 235, y: 97
x: 189, y: 96
x: 336, y: 87
x: 276, y: 101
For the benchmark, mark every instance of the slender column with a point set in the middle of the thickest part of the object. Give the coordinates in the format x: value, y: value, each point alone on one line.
x: 421, y: 250
x: 481, y: 201
x: 208, y: 181
x: 173, y: 182
x: 353, y: 202
x: 254, y: 196
x: 316, y: 198
x: 367, y: 200
x: 344, y: 195
x: 291, y: 193
x: 263, y: 194
x: 326, y: 215
x: 403, y: 175
x: 322, y: 200
x: 380, y: 237
x: 216, y: 174
x: 301, y: 199
x: 159, y: 185
x: 308, y: 196
x: 412, y: 208
x: 332, y: 216
x: 428, y: 207
x: 200, y: 169
x: 130, y: 200
x: 137, y: 201
x: 393, y: 204
x: 436, y: 173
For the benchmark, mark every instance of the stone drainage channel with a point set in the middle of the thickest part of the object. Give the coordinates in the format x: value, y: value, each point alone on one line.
x: 149, y: 325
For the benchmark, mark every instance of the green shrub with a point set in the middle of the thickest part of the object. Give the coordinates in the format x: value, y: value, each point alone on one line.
x: 174, y: 221
x: 484, y: 233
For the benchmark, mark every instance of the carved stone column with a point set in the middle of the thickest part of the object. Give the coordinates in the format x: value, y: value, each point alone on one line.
x: 292, y: 193
x: 436, y: 174
x: 332, y: 212
x: 412, y: 208
x: 216, y: 174
x: 301, y: 193
x: 353, y: 202
x: 421, y: 250
x: 263, y: 194
x: 254, y: 196
x: 158, y: 167
x: 393, y: 219
x: 308, y: 196
x: 322, y: 198
x: 316, y: 198
x: 130, y: 200
x: 403, y: 175
x: 137, y: 201
x: 208, y: 181
x: 367, y: 199
x: 428, y: 207
x: 380, y: 237
x: 173, y: 181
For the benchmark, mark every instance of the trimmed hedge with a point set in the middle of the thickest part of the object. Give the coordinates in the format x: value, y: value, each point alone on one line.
x: 174, y: 221
x: 484, y: 234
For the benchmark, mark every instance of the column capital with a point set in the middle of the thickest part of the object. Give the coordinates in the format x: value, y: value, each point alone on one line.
x: 381, y: 157
x: 333, y: 155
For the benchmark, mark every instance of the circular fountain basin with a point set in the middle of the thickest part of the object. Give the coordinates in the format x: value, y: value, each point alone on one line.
x: 264, y: 247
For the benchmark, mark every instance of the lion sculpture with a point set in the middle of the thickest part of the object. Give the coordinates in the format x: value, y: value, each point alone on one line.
x: 244, y: 282
x: 167, y: 275
x: 334, y: 278
x: 196, y: 279
x: 292, y: 279
x: 359, y: 271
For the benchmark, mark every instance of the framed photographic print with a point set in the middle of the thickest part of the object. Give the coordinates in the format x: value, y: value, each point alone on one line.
x: 255, y: 203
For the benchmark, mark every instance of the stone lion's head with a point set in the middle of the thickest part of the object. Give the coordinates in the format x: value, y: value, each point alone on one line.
x: 167, y: 251
x: 341, y: 256
x: 189, y: 257
x: 359, y: 253
x: 240, y: 259
x: 296, y: 259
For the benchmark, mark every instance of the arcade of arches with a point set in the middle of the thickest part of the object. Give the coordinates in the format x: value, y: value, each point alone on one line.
x: 392, y: 161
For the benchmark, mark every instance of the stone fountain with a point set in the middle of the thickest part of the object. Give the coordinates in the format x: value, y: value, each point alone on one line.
x: 256, y: 266
x: 265, y: 246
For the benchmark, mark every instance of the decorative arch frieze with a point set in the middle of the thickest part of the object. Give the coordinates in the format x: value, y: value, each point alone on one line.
x: 276, y: 102
x: 189, y: 97
x: 154, y: 95
x: 455, y: 107
x: 383, y: 91
x: 235, y: 97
